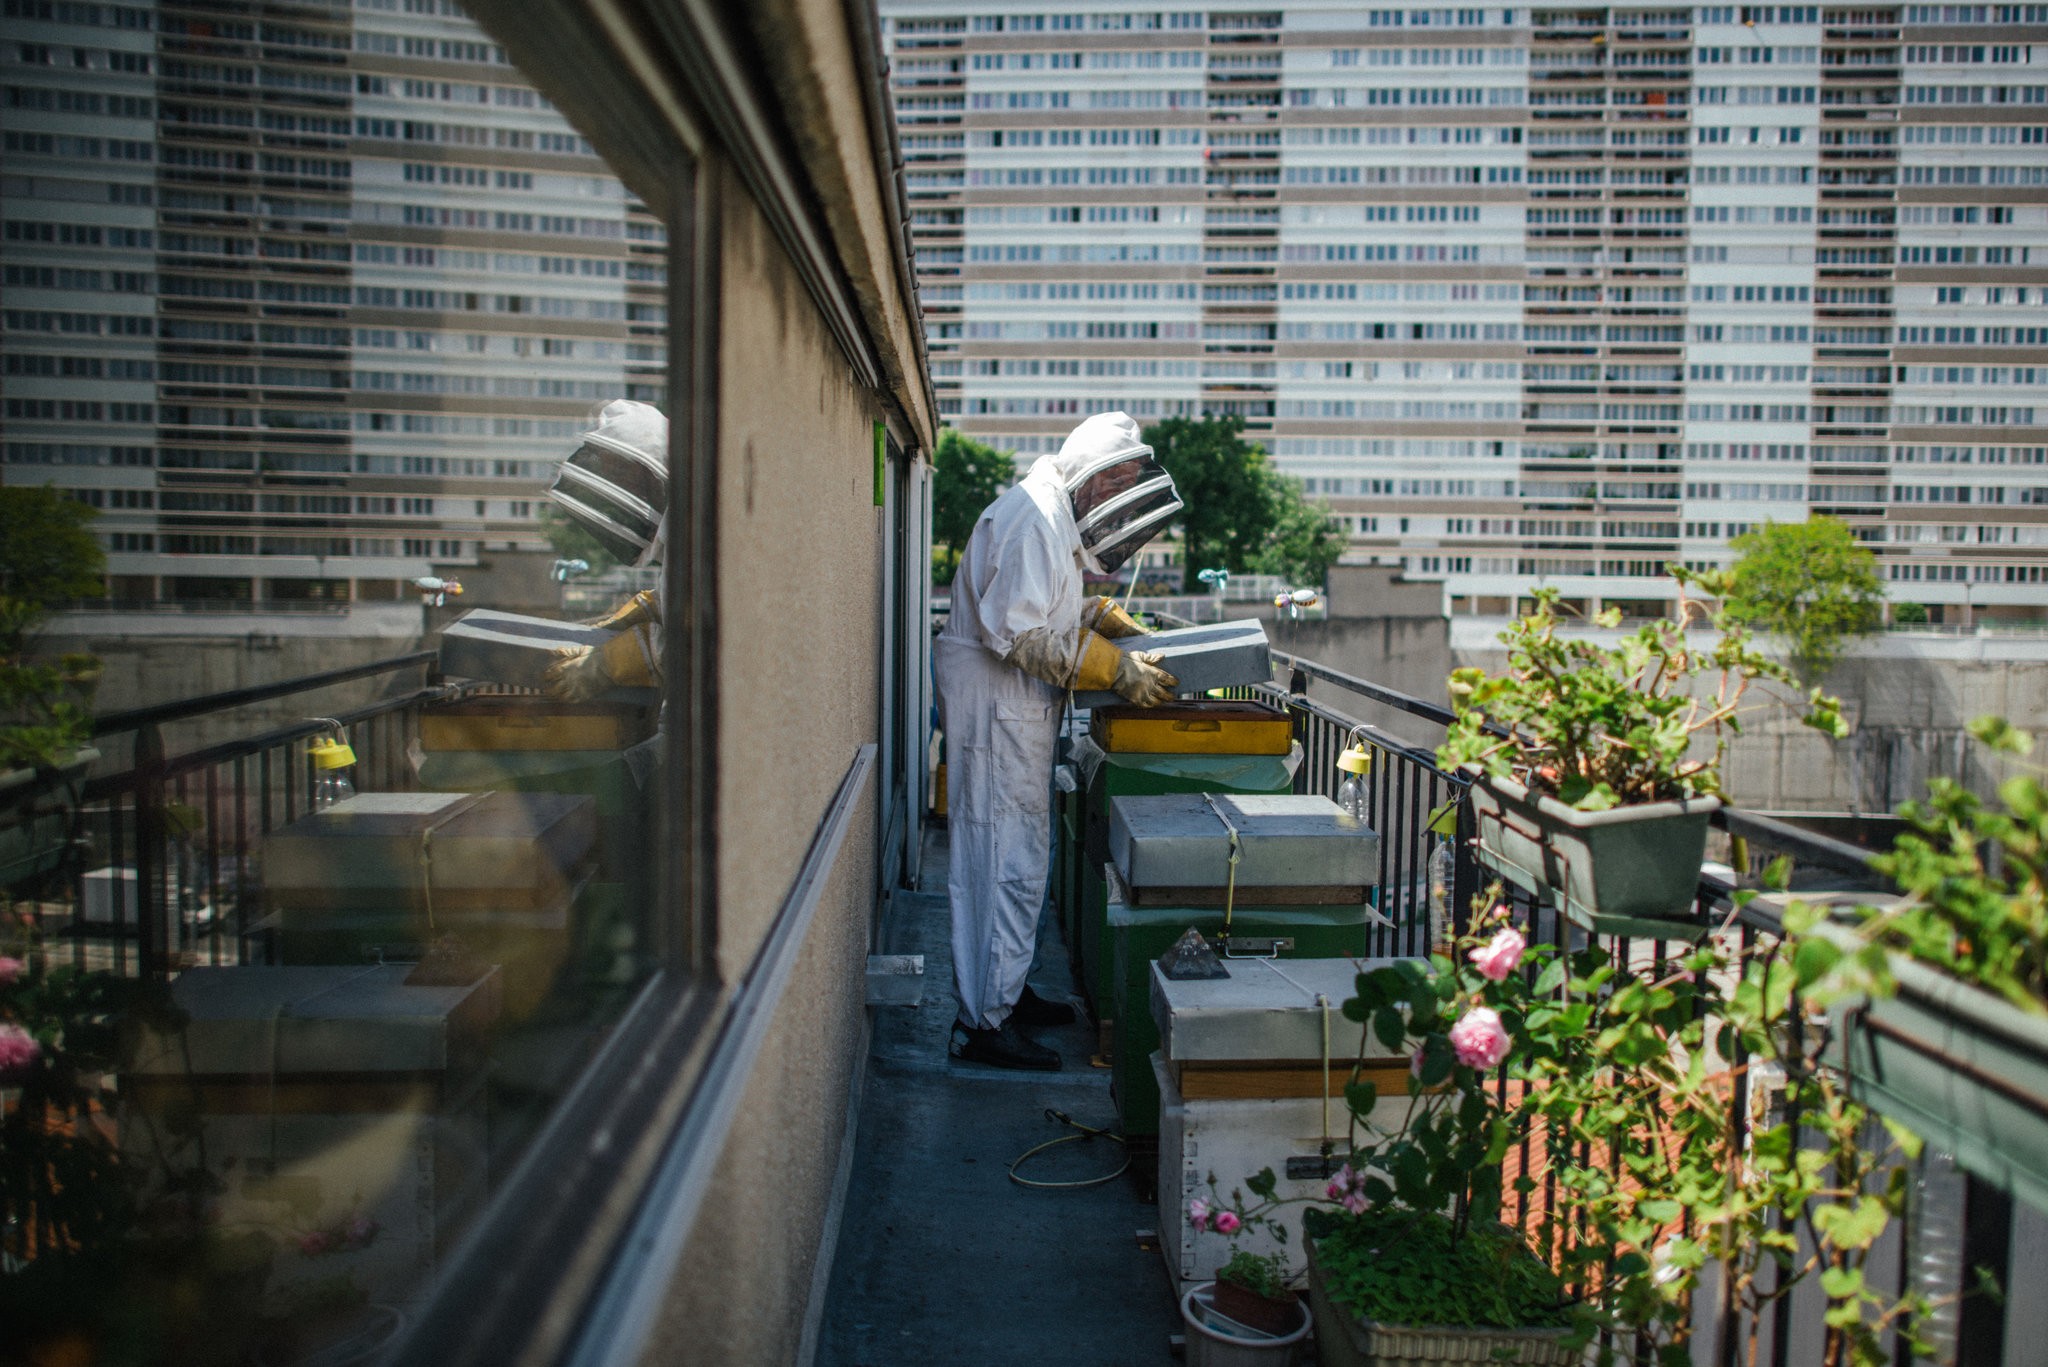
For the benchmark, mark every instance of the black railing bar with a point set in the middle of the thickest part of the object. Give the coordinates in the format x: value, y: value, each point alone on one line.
x: 1429, y: 711
x: 1406, y: 749
x: 1820, y: 849
x: 110, y: 785
x: 156, y: 715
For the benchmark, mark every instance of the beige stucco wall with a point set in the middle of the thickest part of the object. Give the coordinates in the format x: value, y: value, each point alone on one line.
x: 799, y: 676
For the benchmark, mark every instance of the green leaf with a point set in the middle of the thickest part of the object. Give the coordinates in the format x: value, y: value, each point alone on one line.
x: 2002, y: 735
x: 1815, y: 958
x: 1390, y: 1027
x: 1361, y: 1097
x: 1909, y: 1143
x: 1842, y: 1282
x: 1262, y: 1183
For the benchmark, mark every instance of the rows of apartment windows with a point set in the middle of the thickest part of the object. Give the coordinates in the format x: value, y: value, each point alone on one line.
x: 924, y: 146
x: 911, y: 30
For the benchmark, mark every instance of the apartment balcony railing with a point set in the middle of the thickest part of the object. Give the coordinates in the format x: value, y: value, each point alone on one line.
x: 175, y: 836
x: 1408, y: 788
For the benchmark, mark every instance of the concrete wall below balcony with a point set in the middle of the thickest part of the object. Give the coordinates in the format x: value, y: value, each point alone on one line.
x: 1908, y: 698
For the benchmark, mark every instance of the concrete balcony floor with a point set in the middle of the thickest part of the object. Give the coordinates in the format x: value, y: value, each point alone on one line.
x: 942, y: 1260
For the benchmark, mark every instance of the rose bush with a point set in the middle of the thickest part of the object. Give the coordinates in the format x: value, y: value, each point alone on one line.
x: 1613, y: 1076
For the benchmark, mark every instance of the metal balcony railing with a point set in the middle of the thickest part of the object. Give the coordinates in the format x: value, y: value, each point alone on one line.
x: 1407, y: 788
x: 162, y: 872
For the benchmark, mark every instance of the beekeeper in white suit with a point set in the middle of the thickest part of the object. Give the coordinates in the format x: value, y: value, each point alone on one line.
x: 614, y: 485
x: 1019, y: 636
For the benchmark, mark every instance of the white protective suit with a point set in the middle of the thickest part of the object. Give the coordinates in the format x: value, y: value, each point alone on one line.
x: 614, y: 485
x: 1019, y: 580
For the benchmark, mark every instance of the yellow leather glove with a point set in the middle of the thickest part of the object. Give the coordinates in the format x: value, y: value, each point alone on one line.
x: 1105, y: 618
x: 644, y: 606
x: 580, y: 673
x: 1133, y: 675
x: 1139, y: 678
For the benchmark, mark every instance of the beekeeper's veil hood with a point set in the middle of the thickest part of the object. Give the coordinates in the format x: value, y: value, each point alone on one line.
x: 1121, y: 496
x: 615, y: 485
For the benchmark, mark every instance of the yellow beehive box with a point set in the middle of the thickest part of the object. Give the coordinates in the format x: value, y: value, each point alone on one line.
x: 1193, y: 726
x: 524, y: 722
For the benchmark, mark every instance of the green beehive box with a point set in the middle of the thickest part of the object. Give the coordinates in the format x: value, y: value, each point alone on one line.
x: 1107, y: 776
x: 1141, y: 934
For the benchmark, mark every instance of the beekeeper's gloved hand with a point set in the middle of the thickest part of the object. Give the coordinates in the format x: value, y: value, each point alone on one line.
x: 580, y: 673
x: 577, y: 675
x: 643, y: 606
x: 1105, y: 618
x: 1139, y: 678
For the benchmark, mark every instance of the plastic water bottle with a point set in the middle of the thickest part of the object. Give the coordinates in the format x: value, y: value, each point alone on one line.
x: 1443, y: 865
x: 333, y: 763
x: 1352, y: 794
x: 1934, y: 1256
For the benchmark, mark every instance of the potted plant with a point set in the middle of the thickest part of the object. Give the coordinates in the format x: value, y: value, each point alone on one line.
x: 1436, y: 1242
x: 46, y: 557
x: 1252, y: 1289
x: 1953, y: 1039
x: 1589, y: 787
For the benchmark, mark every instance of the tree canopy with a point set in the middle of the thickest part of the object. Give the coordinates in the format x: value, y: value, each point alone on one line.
x: 1305, y: 540
x: 1241, y: 513
x: 571, y: 541
x: 966, y: 477
x: 1811, y: 583
x: 46, y: 553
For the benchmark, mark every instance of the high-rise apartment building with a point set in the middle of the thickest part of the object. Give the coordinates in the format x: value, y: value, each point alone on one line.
x: 307, y: 298
x: 1552, y: 295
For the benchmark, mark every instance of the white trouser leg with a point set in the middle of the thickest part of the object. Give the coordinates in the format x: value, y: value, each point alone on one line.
x: 1000, y: 728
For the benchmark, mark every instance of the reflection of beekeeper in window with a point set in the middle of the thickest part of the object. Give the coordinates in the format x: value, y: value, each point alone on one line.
x: 1020, y: 633
x: 615, y: 486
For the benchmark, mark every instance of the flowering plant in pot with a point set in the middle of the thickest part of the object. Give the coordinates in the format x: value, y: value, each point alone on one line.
x: 1610, y: 1078
x: 1596, y: 766
x: 1252, y: 1289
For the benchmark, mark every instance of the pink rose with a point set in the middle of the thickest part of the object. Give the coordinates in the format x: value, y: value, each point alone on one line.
x: 1415, y: 1063
x: 11, y: 971
x: 1227, y: 1223
x: 1198, y: 1213
x: 1498, y: 957
x: 18, y: 1053
x: 1479, y: 1038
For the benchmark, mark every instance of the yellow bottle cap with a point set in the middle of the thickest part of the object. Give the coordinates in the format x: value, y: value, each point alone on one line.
x: 1356, y: 760
x: 329, y: 753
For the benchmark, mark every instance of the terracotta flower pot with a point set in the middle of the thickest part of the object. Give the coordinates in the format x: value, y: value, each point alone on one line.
x: 1267, y: 1314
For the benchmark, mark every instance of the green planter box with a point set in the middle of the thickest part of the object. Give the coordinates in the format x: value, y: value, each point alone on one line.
x: 1965, y: 1070
x: 1627, y: 871
x: 1347, y: 1340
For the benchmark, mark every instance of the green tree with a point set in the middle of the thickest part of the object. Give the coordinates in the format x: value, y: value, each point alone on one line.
x: 46, y: 553
x: 46, y: 557
x: 1232, y: 495
x: 966, y: 477
x: 571, y: 541
x: 1812, y: 584
x: 1305, y: 540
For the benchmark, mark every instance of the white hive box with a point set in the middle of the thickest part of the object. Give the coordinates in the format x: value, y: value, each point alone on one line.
x: 1200, y: 658
x: 1241, y: 1088
x: 326, y: 1094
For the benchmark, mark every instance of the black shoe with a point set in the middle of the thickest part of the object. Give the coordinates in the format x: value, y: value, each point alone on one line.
x: 1004, y: 1048
x: 1035, y: 1012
